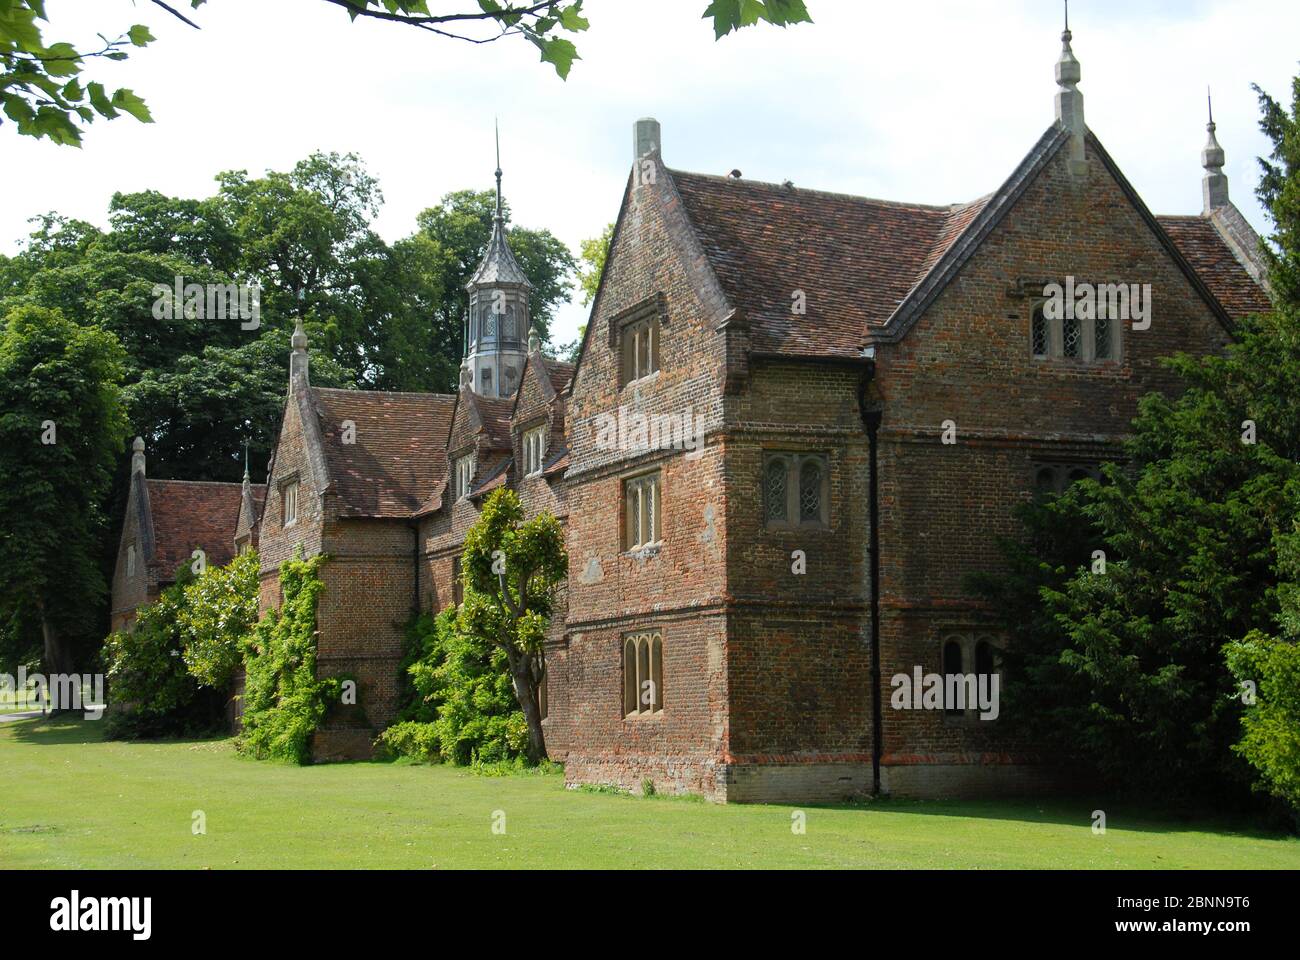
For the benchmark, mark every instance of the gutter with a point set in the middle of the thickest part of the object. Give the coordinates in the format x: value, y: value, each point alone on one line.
x: 870, y: 409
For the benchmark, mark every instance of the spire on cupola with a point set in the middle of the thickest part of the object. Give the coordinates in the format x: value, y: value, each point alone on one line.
x: 1215, y: 183
x: 1069, y: 101
x: 298, y: 358
x: 497, y: 322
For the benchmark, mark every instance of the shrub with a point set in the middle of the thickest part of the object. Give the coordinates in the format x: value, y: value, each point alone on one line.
x: 284, y: 702
x: 463, y: 710
x: 1271, y: 740
x: 152, y: 693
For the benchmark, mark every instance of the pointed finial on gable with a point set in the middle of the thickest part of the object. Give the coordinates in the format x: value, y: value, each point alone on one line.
x: 137, y: 456
x: 534, y: 341
x: 1214, y: 185
x: 1069, y: 101
x: 298, y: 362
x: 247, y: 479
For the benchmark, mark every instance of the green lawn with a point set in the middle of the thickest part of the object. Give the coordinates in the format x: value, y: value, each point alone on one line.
x: 69, y: 800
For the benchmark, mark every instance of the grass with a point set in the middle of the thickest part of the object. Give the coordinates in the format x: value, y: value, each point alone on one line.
x: 68, y: 799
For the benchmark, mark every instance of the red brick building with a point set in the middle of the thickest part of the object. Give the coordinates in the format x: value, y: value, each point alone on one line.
x: 166, y: 521
x: 798, y: 421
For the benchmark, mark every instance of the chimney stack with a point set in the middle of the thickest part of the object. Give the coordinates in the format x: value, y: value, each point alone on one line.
x: 647, y: 138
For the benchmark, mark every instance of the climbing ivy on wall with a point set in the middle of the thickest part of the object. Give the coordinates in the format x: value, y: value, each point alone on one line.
x: 284, y: 702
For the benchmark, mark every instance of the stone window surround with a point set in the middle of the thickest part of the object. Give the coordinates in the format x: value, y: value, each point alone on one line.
x: 653, y: 310
x: 1063, y: 475
x: 968, y: 639
x: 1032, y: 292
x: 629, y: 547
x: 454, y: 480
x: 794, y: 460
x: 648, y: 667
x: 529, y: 429
x: 289, y: 487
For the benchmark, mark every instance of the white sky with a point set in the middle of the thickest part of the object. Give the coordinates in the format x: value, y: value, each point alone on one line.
x: 930, y: 101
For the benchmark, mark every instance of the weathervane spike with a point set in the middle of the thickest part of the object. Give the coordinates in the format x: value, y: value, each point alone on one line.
x: 496, y: 128
x: 1209, y: 102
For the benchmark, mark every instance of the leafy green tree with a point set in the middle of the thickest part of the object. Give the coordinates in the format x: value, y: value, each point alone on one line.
x: 592, y: 256
x: 41, y: 90
x: 219, y: 611
x: 511, y: 569
x: 61, y: 429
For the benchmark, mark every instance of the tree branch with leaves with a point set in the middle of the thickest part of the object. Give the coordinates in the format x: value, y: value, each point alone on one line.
x: 42, y: 92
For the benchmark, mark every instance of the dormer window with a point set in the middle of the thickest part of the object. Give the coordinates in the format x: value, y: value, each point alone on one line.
x: 289, y: 503
x: 640, y: 349
x: 534, y: 450
x: 463, y: 476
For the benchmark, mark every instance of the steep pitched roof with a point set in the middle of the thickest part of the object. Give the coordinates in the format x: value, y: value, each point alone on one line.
x: 396, y: 461
x: 854, y: 258
x: 560, y: 373
x: 185, y: 515
x: 871, y: 267
x: 1204, y: 247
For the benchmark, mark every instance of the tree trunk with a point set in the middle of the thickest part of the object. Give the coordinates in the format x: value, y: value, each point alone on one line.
x: 55, y: 659
x: 526, y: 694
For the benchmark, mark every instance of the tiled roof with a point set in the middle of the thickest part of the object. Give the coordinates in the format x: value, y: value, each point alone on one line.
x: 559, y: 372
x: 865, y: 264
x: 495, y: 413
x: 189, y: 515
x: 1204, y: 248
x: 398, y: 458
x: 855, y: 259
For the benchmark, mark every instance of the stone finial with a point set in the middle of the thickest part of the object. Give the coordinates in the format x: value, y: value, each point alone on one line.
x: 646, y: 138
x: 1069, y: 101
x: 298, y: 361
x: 247, y: 479
x: 534, y: 341
x: 137, y: 455
x: 1214, y: 186
x: 464, y: 377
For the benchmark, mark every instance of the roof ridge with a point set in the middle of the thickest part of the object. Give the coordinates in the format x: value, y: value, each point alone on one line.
x: 205, y: 483
x: 345, y: 391
x: 838, y: 195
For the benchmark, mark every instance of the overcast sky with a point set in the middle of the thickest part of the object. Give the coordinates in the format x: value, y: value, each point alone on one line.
x: 932, y: 101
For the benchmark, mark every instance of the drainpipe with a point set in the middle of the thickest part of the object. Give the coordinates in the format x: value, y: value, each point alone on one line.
x: 415, y: 568
x: 869, y: 408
